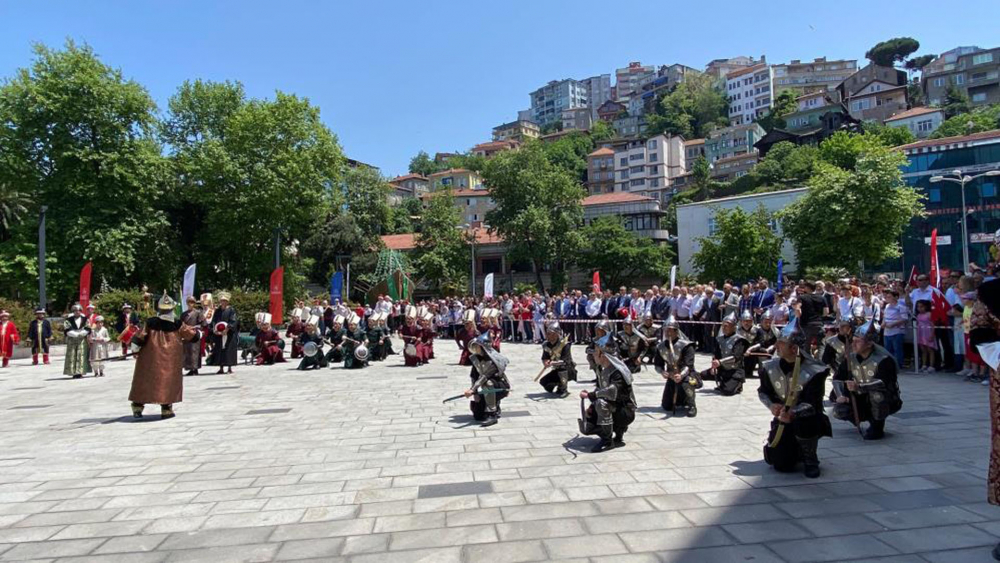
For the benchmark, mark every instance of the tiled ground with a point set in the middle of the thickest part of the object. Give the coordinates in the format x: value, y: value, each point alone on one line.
x: 365, y: 466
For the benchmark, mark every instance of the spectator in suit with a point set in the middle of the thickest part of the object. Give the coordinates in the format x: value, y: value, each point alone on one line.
x: 762, y: 299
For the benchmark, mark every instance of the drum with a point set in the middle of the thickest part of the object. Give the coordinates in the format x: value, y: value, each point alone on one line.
x: 361, y: 353
x: 410, y: 349
x: 220, y: 327
x: 310, y: 349
x: 281, y: 344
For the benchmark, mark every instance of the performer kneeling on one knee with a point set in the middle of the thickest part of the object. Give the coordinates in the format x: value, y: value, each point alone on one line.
x: 866, y: 383
x: 355, y: 344
x: 612, y: 403
x: 557, y: 355
x: 602, y: 328
x: 791, y: 386
x: 674, y: 360
x: 159, y: 374
x: 312, y: 345
x: 727, y: 366
x: 489, y: 384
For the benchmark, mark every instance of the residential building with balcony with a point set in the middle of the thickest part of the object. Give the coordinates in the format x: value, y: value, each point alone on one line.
x: 611, y: 110
x: 720, y: 68
x: 489, y: 149
x: 519, y: 130
x: 473, y: 205
x: 410, y: 185
x: 820, y: 75
x: 640, y: 215
x: 601, y: 171
x: 627, y: 79
x: 749, y: 93
x: 693, y: 150
x: 653, y: 86
x: 972, y: 70
x: 731, y: 168
x: 921, y: 121
x: 695, y: 222
x: 630, y: 125
x: 874, y: 93
x: 598, y: 91
x: 456, y: 179
x: 579, y: 119
x: 818, y: 117
x: 646, y: 165
x: 726, y: 142
x: 549, y: 101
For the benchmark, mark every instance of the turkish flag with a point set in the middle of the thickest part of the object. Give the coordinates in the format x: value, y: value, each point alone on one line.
x: 940, y: 308
x: 597, y: 281
x: 912, y: 281
x: 277, y: 290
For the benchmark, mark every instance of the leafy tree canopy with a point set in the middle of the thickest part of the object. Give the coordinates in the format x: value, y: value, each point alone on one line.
x: 691, y: 109
x: 978, y: 120
x: 442, y: 253
x: 784, y: 104
x: 956, y: 102
x: 601, y: 131
x: 620, y: 256
x: 892, y: 51
x: 742, y: 247
x: 424, y: 165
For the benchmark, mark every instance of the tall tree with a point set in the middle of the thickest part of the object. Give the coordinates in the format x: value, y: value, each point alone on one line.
x: 742, y: 247
x: 691, y: 109
x: 78, y: 137
x: 892, y: 51
x: 956, y: 102
x: 601, y: 131
x: 620, y: 256
x: 786, y: 164
x: 570, y: 153
x: 339, y: 235
x: 784, y: 104
x: 537, y: 208
x: 367, y: 199
x: 248, y: 167
x: 424, y: 165
x: 701, y: 179
x: 442, y: 253
x: 853, y: 215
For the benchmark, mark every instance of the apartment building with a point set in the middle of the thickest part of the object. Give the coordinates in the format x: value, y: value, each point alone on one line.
x: 727, y: 142
x: 410, y: 185
x: 653, y: 86
x: 488, y: 150
x: 610, y: 110
x: 874, y: 93
x: 749, y: 93
x: 549, y: 101
x: 817, y: 118
x: 971, y: 69
x: 627, y: 79
x: 720, y: 68
x: 731, y: 168
x: 820, y: 75
x: 920, y: 121
x: 643, y: 165
x: 601, y: 171
x: 519, y: 130
x: 579, y: 119
x: 693, y: 150
x: 598, y: 91
x: 629, y: 125
x: 640, y: 215
x: 455, y: 178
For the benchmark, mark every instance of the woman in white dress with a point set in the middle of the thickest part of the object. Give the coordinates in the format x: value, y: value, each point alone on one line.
x: 99, y: 340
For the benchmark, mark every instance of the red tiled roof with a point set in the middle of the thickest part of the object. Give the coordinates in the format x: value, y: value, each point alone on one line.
x: 407, y: 177
x: 746, y: 70
x: 408, y: 241
x: 615, y: 197
x: 913, y: 112
x: 985, y: 135
x: 496, y: 145
x: 602, y: 152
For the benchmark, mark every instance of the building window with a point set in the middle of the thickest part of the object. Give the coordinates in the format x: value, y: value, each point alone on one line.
x: 925, y: 125
x: 979, y: 97
x: 711, y: 226
x: 982, y: 58
x: 446, y: 181
x: 637, y: 182
x: 653, y: 157
x: 654, y: 183
x: 638, y: 156
x: 934, y: 195
x: 651, y: 144
x: 491, y: 265
x: 939, y: 82
x: 624, y: 162
x: 988, y: 190
x: 959, y: 79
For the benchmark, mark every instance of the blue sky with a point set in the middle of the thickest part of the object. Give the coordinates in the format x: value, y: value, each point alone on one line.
x: 392, y: 78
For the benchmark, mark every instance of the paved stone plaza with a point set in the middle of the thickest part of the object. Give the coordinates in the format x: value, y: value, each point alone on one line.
x: 364, y: 466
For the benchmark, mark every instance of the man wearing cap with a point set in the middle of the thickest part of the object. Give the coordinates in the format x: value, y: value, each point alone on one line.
x: 40, y: 333
x: 752, y: 334
x: 311, y: 338
x: 158, y: 377
x: 354, y: 338
x: 335, y: 334
x: 465, y: 334
x: 193, y: 316
x: 612, y: 402
x: 674, y: 361
x: 8, y: 338
x: 126, y: 325
x: 489, y: 383
x: 91, y: 316
x: 557, y: 354
x: 631, y: 345
x: 77, y: 361
x: 791, y: 387
x: 727, y: 365
x: 295, y: 328
x: 268, y: 343
x: 426, y: 340
x: 410, y: 333
x: 871, y: 380
x: 225, y: 336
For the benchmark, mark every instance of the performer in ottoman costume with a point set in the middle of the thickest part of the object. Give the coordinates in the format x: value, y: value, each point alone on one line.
x: 75, y: 328
x: 158, y: 376
x: 225, y: 342
x: 312, y: 346
x: 557, y: 354
x: 468, y: 332
x: 612, y: 403
x: 674, y: 361
x: 40, y: 333
x: 269, y: 344
x: 489, y: 383
x: 8, y: 337
x: 192, y: 351
x: 410, y: 334
x: 295, y: 328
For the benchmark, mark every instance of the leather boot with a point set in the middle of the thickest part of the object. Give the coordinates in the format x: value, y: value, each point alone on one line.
x: 876, y: 430
x: 692, y: 407
x: 167, y: 411
x: 137, y: 410
x: 34, y: 359
x: 810, y: 461
x: 45, y: 358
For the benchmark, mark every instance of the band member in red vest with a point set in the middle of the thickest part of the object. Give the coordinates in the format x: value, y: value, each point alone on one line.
x: 8, y: 337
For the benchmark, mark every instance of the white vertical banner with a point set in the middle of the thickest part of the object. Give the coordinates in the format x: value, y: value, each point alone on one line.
x: 673, y: 277
x: 488, y: 286
x: 187, y: 288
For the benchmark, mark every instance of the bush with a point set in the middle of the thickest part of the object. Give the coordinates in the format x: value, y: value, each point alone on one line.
x: 109, y: 304
x: 522, y: 287
x: 247, y: 304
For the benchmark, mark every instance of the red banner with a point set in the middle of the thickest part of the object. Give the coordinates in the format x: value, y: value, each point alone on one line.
x: 935, y: 272
x: 597, y: 281
x: 939, y: 305
x: 277, y: 289
x: 912, y: 282
x: 85, y: 285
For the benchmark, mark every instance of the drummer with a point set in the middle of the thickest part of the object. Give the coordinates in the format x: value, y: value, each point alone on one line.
x: 355, y: 344
x: 312, y: 346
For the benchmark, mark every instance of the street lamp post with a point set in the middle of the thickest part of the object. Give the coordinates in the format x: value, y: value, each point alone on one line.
x: 42, y: 302
x: 956, y: 177
x: 468, y: 228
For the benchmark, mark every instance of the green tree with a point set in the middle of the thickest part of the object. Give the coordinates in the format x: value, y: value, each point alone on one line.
x: 551, y: 127
x: 892, y: 51
x: 853, y: 216
x: 570, y: 153
x: 601, y: 131
x: 978, y: 120
x: 247, y: 167
x: 13, y: 207
x: 442, y: 253
x: 701, y: 179
x: 917, y: 64
x: 742, y: 247
x: 843, y: 149
x: 690, y: 110
x: 367, y: 199
x: 784, y: 104
x: 889, y: 136
x: 956, y: 102
x: 78, y: 137
x: 339, y: 235
x: 620, y: 256
x: 424, y: 165
x: 537, y: 208
x: 786, y: 164
x: 406, y: 215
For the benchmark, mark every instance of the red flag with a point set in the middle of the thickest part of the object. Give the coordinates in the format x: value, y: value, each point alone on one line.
x: 597, y: 281
x: 935, y: 272
x: 940, y: 307
x: 277, y: 289
x: 85, y: 284
x: 912, y: 282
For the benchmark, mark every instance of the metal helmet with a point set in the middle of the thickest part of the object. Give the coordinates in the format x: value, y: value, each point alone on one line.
x: 553, y: 326
x: 792, y: 333
x: 868, y: 331
x: 767, y: 316
x: 730, y: 318
x: 746, y: 316
x: 671, y: 322
x: 606, y: 344
x: 603, y: 326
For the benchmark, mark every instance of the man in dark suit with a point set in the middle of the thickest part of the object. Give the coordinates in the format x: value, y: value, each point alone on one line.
x: 624, y: 299
x: 762, y: 299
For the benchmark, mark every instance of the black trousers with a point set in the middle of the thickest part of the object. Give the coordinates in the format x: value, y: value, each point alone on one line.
x: 946, y: 360
x: 786, y: 454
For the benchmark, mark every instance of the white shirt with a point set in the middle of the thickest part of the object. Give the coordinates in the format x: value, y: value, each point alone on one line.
x: 683, y: 307
x: 779, y: 313
x: 638, y: 307
x: 848, y: 306
x: 893, y: 314
x: 921, y: 295
x: 593, y: 307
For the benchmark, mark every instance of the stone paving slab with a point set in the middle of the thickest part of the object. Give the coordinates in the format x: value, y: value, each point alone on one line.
x: 272, y: 464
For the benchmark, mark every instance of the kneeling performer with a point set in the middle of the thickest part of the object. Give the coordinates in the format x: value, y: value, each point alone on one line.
x: 557, y: 354
x: 489, y: 384
x: 791, y: 386
x: 612, y: 403
x: 867, y: 384
x: 727, y: 366
x: 674, y: 360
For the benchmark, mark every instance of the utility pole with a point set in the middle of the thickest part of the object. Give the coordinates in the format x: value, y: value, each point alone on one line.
x: 42, y: 301
x: 277, y: 247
